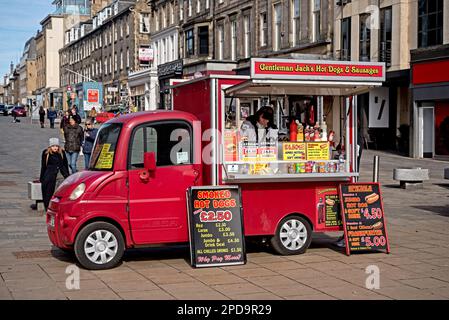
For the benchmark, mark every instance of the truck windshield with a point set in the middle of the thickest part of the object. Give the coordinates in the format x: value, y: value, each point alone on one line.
x: 103, y: 154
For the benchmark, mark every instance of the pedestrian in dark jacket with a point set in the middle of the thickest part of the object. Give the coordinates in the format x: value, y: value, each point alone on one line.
x: 76, y: 116
x: 53, y: 161
x: 51, y: 115
x: 90, y: 134
x: 64, y: 121
x: 41, y: 116
x: 74, y: 136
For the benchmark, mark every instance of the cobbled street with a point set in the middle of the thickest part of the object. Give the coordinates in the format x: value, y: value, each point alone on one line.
x: 417, y: 268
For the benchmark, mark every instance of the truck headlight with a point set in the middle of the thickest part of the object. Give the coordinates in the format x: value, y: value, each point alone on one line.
x: 78, y: 192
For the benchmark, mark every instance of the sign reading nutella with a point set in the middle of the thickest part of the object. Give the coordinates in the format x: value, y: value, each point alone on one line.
x: 317, y: 70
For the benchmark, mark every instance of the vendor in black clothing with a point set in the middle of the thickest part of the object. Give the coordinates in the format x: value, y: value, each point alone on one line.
x: 53, y: 161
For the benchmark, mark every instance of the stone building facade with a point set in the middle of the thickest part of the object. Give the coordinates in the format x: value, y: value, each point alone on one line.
x: 105, y: 49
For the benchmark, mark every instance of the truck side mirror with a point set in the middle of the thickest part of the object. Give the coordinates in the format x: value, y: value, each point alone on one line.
x: 149, y: 160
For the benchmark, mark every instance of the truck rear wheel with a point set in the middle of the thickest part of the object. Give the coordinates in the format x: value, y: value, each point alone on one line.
x: 293, y: 236
x: 99, y: 246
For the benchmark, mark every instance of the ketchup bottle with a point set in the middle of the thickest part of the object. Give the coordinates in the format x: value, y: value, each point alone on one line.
x: 293, y: 130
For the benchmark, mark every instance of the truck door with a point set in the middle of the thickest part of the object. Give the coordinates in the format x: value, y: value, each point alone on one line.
x: 157, y: 205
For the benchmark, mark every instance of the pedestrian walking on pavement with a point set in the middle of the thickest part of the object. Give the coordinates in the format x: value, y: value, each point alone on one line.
x: 64, y: 121
x: 90, y: 134
x: 74, y: 137
x: 93, y: 114
x: 75, y: 115
x: 51, y: 115
x: 42, y: 116
x: 53, y: 162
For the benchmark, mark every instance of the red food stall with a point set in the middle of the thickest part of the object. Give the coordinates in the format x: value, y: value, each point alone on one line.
x: 287, y: 183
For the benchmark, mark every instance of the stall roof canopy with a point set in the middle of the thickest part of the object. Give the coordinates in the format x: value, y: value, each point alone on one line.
x: 257, y: 87
x: 309, y: 77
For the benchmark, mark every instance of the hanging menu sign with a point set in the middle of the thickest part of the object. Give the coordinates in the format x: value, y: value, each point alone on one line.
x: 215, y: 226
x: 363, y: 217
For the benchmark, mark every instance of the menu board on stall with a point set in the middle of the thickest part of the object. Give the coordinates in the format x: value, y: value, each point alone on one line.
x: 230, y: 147
x: 248, y: 151
x: 317, y: 151
x: 363, y: 217
x: 294, y: 151
x: 328, y: 207
x: 215, y: 226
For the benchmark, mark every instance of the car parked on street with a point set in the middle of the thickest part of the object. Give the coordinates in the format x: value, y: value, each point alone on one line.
x: 2, y: 108
x: 8, y: 110
x: 19, y: 111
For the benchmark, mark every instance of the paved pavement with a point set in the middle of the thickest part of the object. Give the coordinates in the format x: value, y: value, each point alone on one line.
x: 417, y: 268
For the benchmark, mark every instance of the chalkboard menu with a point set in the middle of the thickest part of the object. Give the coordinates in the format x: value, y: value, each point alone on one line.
x: 215, y: 226
x: 363, y: 217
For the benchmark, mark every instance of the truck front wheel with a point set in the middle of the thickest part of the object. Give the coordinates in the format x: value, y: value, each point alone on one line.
x: 99, y: 246
x: 293, y: 236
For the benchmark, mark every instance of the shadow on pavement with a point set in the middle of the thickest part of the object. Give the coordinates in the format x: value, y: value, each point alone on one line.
x: 440, y: 210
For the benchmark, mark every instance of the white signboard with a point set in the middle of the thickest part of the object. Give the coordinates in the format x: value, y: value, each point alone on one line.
x: 146, y: 54
x: 379, y: 108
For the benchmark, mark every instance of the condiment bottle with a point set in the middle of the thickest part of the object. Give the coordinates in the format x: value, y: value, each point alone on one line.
x: 293, y: 131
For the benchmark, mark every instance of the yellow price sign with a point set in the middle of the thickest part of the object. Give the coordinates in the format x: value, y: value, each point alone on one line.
x: 294, y: 151
x: 318, y: 151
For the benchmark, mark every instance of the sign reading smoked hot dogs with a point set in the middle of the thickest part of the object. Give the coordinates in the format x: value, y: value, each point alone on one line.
x: 317, y: 70
x: 363, y: 217
x: 215, y: 226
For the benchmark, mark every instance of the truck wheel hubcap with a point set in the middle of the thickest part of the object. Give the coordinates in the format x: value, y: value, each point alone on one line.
x: 293, y: 234
x: 101, y: 246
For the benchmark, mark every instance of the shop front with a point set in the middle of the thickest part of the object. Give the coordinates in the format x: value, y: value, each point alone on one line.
x: 143, y: 89
x: 430, y: 90
x: 165, y: 72
x: 89, y: 95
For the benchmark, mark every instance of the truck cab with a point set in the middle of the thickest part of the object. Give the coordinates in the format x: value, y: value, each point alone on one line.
x: 134, y: 193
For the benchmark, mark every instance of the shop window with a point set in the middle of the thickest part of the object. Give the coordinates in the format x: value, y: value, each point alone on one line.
x: 171, y: 142
x: 189, y: 43
x: 345, y: 51
x: 365, y: 38
x: 385, y: 35
x: 430, y: 23
x: 203, y: 34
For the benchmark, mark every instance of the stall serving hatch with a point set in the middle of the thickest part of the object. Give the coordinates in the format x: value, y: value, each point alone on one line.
x: 315, y: 120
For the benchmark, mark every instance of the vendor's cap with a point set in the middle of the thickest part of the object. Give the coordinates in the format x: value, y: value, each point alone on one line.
x: 53, y: 142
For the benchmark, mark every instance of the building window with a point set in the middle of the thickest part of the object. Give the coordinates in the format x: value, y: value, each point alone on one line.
x: 127, y: 58
x: 198, y: 6
x: 203, y: 34
x: 163, y: 19
x: 220, y: 42
x: 345, y: 47
x: 263, y: 29
x: 121, y: 60
x: 385, y: 35
x: 430, y: 23
x: 207, y: 4
x: 247, y: 35
x: 189, y: 9
x: 181, y: 10
x: 296, y: 22
x: 172, y: 14
x: 277, y: 29
x: 127, y: 26
x: 115, y: 62
x: 234, y: 39
x: 365, y: 38
x: 316, y: 18
x: 144, y: 23
x: 189, y: 43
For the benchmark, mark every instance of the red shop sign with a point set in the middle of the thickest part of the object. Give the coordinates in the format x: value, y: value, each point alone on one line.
x: 317, y: 70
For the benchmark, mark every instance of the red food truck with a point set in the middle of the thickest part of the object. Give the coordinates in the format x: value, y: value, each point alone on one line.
x: 134, y: 193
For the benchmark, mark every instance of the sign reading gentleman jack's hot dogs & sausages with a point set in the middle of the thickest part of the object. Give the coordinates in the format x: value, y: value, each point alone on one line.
x: 216, y: 226
x: 363, y: 217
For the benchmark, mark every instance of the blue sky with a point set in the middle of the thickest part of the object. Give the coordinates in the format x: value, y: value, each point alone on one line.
x: 19, y: 21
